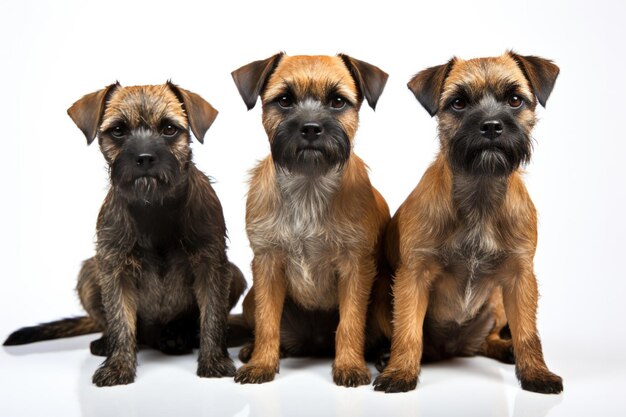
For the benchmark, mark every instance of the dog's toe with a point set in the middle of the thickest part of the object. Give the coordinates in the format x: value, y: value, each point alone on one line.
x: 351, y: 376
x: 254, y: 374
x: 113, y: 373
x: 217, y: 367
x: 395, y: 381
x: 545, y: 383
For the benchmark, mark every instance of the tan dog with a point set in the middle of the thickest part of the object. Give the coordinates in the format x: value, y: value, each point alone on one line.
x: 313, y: 218
x: 464, y: 240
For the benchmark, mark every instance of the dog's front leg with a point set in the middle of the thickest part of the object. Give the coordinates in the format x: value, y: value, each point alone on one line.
x: 356, y: 277
x: 211, y: 288
x: 411, y: 291
x: 270, y: 288
x: 520, y: 302
x: 119, y: 298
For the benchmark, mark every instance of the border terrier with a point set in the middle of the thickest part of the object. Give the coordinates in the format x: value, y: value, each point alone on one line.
x: 314, y: 221
x: 463, y: 242
x: 160, y: 274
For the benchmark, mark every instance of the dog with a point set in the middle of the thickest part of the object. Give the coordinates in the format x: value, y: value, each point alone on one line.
x: 463, y: 242
x: 160, y: 273
x: 314, y: 221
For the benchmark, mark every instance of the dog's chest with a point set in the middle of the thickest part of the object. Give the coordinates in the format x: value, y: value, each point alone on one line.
x: 470, y: 259
x: 157, y: 227
x: 306, y: 235
x: 473, y: 251
x: 165, y: 286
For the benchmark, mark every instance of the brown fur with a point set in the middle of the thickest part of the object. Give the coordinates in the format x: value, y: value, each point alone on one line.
x: 316, y: 240
x: 160, y: 276
x: 160, y: 269
x: 462, y: 245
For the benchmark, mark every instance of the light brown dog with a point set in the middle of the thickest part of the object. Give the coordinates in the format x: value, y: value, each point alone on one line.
x: 463, y: 242
x: 314, y: 220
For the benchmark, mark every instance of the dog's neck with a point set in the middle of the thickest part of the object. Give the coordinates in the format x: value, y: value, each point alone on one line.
x: 157, y: 224
x: 477, y: 197
x: 306, y: 196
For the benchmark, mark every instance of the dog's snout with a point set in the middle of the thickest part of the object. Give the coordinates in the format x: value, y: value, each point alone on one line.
x: 311, y: 131
x: 145, y: 160
x: 491, y: 128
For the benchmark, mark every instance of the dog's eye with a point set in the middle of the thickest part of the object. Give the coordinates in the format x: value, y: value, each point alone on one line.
x: 169, y: 130
x: 118, y: 132
x: 285, y: 102
x: 337, y: 102
x: 458, y: 104
x: 515, y: 101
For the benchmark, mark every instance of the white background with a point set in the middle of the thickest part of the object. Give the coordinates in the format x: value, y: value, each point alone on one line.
x: 52, y: 185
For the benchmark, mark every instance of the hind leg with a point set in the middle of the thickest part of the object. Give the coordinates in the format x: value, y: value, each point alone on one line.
x: 245, y: 353
x: 247, y: 318
x: 498, y: 349
x: 99, y: 347
x: 380, y: 319
x: 91, y: 298
x: 495, y: 346
x: 238, y: 284
x: 89, y: 291
x: 382, y: 359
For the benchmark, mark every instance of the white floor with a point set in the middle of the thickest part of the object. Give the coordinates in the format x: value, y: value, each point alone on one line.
x: 54, y: 379
x: 52, y: 185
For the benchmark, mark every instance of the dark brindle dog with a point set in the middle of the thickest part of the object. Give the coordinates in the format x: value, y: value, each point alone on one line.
x: 313, y: 218
x: 160, y: 272
x: 463, y: 242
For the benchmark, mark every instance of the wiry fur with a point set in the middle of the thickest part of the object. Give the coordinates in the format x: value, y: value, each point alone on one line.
x: 462, y: 243
x: 160, y: 276
x: 313, y: 219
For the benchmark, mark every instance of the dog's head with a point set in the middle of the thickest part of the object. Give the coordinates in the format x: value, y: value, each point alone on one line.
x: 310, y: 106
x: 486, y: 108
x: 143, y: 132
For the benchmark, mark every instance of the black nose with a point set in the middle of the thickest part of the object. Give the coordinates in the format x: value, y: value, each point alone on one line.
x: 491, y: 129
x: 145, y: 160
x: 311, y: 131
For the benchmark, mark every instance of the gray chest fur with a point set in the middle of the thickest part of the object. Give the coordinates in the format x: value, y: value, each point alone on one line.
x: 303, y: 229
x: 473, y: 252
x: 469, y: 263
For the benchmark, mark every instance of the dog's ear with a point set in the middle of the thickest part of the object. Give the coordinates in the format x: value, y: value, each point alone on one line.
x: 251, y: 78
x: 87, y: 112
x: 427, y: 86
x: 369, y: 78
x: 200, y: 113
x: 541, y: 73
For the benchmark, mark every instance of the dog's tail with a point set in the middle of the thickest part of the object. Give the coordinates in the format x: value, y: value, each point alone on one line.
x: 75, y: 326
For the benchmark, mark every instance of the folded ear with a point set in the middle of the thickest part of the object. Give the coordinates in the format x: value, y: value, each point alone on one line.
x: 427, y: 86
x: 369, y: 78
x: 541, y: 73
x: 251, y: 78
x: 87, y: 112
x: 200, y: 113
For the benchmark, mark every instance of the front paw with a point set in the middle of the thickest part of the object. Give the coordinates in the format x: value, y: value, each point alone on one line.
x: 544, y: 382
x: 255, y: 374
x: 216, y: 367
x: 114, y: 373
x: 351, y: 376
x: 395, y: 381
